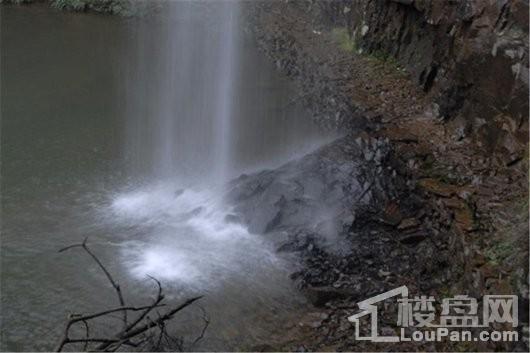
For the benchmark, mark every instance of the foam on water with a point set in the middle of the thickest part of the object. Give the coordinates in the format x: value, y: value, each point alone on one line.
x: 187, y: 237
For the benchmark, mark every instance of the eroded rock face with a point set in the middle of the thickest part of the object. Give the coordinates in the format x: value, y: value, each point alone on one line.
x: 471, y: 54
x: 427, y: 218
x: 312, y: 195
x: 347, y: 210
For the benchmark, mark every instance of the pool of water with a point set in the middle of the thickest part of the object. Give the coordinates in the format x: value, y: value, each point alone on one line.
x: 86, y: 100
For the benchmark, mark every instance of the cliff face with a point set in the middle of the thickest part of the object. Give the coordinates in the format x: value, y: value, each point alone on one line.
x: 471, y: 56
x: 445, y: 83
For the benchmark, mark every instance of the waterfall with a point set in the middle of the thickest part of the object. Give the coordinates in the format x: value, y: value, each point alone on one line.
x: 182, y: 92
x: 198, y: 111
x: 225, y: 90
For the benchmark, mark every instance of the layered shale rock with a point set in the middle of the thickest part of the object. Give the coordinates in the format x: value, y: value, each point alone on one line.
x: 471, y: 55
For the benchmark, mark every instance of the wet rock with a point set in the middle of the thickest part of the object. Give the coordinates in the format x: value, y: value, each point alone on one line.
x: 311, y: 195
x: 313, y: 320
x: 464, y: 214
x: 383, y: 273
x: 392, y: 214
x: 408, y: 223
x: 232, y: 218
x: 413, y: 239
x: 437, y: 187
x: 179, y: 192
x: 465, y: 219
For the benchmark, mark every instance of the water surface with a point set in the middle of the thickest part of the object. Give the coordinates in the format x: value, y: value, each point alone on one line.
x: 124, y: 130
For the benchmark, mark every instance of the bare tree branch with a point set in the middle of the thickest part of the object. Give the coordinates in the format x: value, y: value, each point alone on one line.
x: 138, y: 333
x: 167, y: 316
x: 87, y: 334
x: 159, y: 298
x: 106, y: 312
x: 206, y: 320
x: 114, y: 284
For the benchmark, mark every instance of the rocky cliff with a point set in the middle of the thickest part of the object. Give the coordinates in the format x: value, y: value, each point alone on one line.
x: 470, y: 55
x: 445, y: 82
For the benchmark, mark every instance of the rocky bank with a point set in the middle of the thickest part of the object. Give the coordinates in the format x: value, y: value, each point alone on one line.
x: 429, y: 188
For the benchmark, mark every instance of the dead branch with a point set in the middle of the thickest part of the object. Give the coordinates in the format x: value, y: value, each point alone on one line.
x: 165, y: 317
x: 159, y: 298
x: 206, y: 320
x: 114, y: 284
x: 87, y: 334
x: 137, y: 332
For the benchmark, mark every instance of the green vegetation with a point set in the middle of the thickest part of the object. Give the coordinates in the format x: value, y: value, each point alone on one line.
x: 439, y: 172
x: 385, y: 57
x: 498, y: 252
x: 119, y: 7
x: 344, y: 39
x: 446, y: 292
x: 77, y: 5
x: 16, y: 1
x: 348, y: 43
x: 508, y: 247
x: 108, y: 6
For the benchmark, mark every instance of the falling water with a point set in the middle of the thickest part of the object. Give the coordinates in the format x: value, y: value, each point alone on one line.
x: 191, y: 91
x: 181, y: 99
x: 224, y: 81
x: 181, y: 117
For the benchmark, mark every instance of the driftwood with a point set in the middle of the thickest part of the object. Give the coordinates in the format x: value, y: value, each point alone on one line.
x: 145, y: 330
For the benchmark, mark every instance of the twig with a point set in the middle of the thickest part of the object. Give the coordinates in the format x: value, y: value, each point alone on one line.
x: 164, y: 317
x: 87, y: 334
x: 142, y: 329
x: 110, y: 311
x: 206, y: 320
x: 114, y: 284
x: 85, y: 340
x: 158, y: 299
x: 73, y: 319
